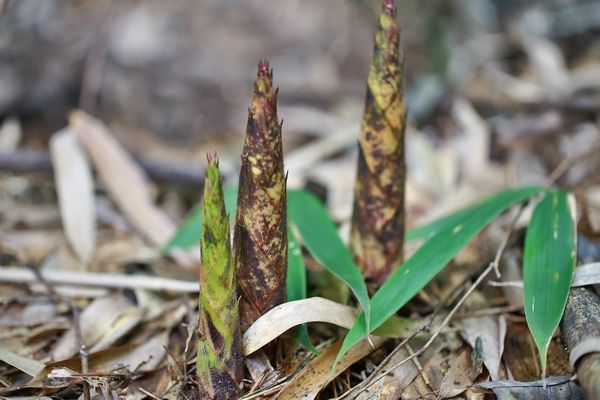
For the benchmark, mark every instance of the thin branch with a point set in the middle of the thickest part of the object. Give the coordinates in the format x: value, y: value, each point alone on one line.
x: 567, y: 163
x: 83, y: 353
x: 117, y: 281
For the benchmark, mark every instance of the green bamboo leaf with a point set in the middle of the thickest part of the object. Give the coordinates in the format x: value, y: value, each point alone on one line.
x: 320, y: 237
x: 189, y: 232
x: 548, y: 267
x: 296, y: 285
x: 428, y: 230
x: 404, y: 283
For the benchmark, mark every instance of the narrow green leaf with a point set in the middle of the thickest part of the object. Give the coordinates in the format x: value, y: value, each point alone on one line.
x: 429, y: 260
x: 548, y: 267
x: 189, y: 232
x: 296, y: 285
x: 428, y: 230
x: 320, y: 237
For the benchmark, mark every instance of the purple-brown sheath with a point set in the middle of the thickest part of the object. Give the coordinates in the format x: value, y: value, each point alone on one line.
x: 260, y: 238
x: 377, y: 236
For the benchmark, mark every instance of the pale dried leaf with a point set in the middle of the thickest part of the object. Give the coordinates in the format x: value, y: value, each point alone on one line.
x: 474, y: 145
x: 592, y: 199
x: 285, y: 316
x: 434, y: 171
x: 491, y: 331
x: 10, y: 134
x: 510, y: 269
x: 31, y: 246
x: 318, y: 372
x: 124, y: 180
x: 29, y: 366
x: 303, y: 159
x: 95, y: 322
x: 547, y: 62
x: 588, y: 274
x: 75, y: 187
x: 126, y: 320
x: 145, y: 356
x: 315, y: 309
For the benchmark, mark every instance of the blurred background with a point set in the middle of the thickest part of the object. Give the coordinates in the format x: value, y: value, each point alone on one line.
x: 173, y: 79
x: 179, y: 74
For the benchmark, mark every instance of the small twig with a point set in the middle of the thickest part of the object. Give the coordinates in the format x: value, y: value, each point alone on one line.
x: 117, y: 281
x: 419, y: 367
x: 147, y: 393
x: 517, y: 284
x: 83, y: 354
x: 191, y: 328
x: 489, y: 311
x: 500, y: 252
x: 567, y: 163
x: 266, y: 392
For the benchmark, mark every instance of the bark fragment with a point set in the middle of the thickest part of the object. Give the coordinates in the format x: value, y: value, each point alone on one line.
x: 260, y: 238
x: 219, y: 343
x: 378, y: 217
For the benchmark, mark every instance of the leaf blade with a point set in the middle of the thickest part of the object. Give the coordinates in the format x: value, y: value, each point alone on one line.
x: 429, y: 260
x: 320, y: 237
x: 548, y: 267
x: 296, y: 285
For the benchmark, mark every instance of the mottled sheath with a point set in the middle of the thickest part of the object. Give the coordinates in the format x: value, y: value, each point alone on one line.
x: 260, y: 238
x: 378, y: 214
x: 219, y: 343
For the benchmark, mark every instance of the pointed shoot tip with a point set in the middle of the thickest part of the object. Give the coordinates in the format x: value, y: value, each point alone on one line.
x: 212, y: 158
x: 389, y: 7
x: 263, y: 67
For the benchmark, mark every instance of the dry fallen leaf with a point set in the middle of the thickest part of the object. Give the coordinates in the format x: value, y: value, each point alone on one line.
x: 285, y: 316
x: 75, y: 187
x: 474, y: 145
x: 10, y: 134
x: 457, y: 378
x: 29, y: 366
x: 96, y: 322
x: 491, y: 331
x: 317, y: 373
x: 124, y: 180
x: 136, y: 357
x: 315, y: 309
